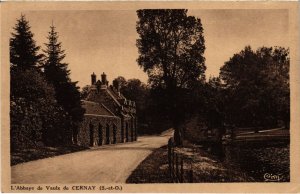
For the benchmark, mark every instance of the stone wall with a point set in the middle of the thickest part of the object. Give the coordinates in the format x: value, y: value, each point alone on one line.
x: 93, y: 127
x: 130, y: 131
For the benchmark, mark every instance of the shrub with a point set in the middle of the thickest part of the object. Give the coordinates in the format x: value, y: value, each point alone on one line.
x: 34, y: 113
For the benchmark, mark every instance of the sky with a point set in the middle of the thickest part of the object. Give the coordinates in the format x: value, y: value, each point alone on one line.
x: 105, y: 41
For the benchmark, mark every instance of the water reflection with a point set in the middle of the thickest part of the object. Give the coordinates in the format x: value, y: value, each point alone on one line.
x: 255, y: 160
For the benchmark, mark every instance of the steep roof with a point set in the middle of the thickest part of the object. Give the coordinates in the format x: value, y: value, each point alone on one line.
x: 103, y: 96
x: 94, y: 108
x: 110, y: 98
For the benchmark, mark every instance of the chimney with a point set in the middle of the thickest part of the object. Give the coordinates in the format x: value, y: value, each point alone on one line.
x: 93, y: 78
x: 103, y: 79
x: 116, y: 85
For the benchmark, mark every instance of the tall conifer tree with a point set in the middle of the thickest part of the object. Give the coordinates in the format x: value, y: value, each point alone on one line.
x: 57, y: 73
x: 34, y: 113
x: 23, y: 49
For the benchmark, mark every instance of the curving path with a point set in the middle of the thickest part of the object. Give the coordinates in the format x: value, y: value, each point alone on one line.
x: 105, y: 164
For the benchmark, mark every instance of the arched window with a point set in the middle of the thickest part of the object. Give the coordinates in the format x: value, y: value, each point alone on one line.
x: 91, y: 134
x: 122, y: 131
x: 126, y: 131
x: 135, y: 128
x: 114, y: 134
x: 107, y: 134
x: 132, y: 126
x: 100, y: 134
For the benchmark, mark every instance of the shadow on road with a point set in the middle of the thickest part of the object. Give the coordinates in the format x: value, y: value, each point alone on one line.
x: 115, y: 148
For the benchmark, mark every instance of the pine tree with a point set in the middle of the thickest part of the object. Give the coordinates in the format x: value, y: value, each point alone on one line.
x: 23, y: 49
x: 55, y: 70
x: 57, y: 73
x: 34, y: 113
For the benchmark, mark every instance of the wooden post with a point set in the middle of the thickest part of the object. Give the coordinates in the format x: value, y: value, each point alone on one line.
x: 181, y: 170
x: 177, y: 168
x: 170, y: 157
x: 191, y: 172
x: 142, y: 175
x: 149, y: 178
x: 191, y: 176
x: 173, y: 163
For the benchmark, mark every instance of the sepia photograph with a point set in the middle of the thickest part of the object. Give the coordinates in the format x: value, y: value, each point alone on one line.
x: 105, y: 97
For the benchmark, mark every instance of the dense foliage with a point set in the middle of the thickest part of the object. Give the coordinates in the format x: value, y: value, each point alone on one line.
x: 34, y: 113
x: 171, y: 48
x: 256, y: 85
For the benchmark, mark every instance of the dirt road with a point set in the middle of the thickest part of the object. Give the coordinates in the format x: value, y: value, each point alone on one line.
x: 105, y: 164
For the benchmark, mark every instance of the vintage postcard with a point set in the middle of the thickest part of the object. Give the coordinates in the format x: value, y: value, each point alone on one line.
x: 150, y: 97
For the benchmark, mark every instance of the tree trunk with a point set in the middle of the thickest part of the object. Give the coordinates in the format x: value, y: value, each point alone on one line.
x: 174, y: 112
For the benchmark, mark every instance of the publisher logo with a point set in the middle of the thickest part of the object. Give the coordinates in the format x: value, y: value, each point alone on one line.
x: 272, y: 177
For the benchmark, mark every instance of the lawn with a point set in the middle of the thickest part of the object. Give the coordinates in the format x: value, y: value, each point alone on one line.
x: 30, y: 154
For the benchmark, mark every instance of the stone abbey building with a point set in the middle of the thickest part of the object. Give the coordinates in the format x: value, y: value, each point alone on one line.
x: 109, y: 118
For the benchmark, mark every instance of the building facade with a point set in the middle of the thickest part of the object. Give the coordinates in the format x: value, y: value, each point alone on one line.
x: 110, y: 118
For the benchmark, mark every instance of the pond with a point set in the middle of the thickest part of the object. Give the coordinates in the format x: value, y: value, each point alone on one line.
x: 262, y: 163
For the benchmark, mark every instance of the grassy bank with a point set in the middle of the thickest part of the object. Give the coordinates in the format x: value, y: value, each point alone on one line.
x: 154, y: 169
x: 30, y: 154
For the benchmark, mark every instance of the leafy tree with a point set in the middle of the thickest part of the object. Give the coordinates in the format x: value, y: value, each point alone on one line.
x: 212, y: 103
x: 134, y: 90
x: 34, y: 114
x: 57, y: 73
x: 23, y: 49
x: 137, y: 91
x: 120, y: 81
x: 257, y: 87
x: 171, y: 48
